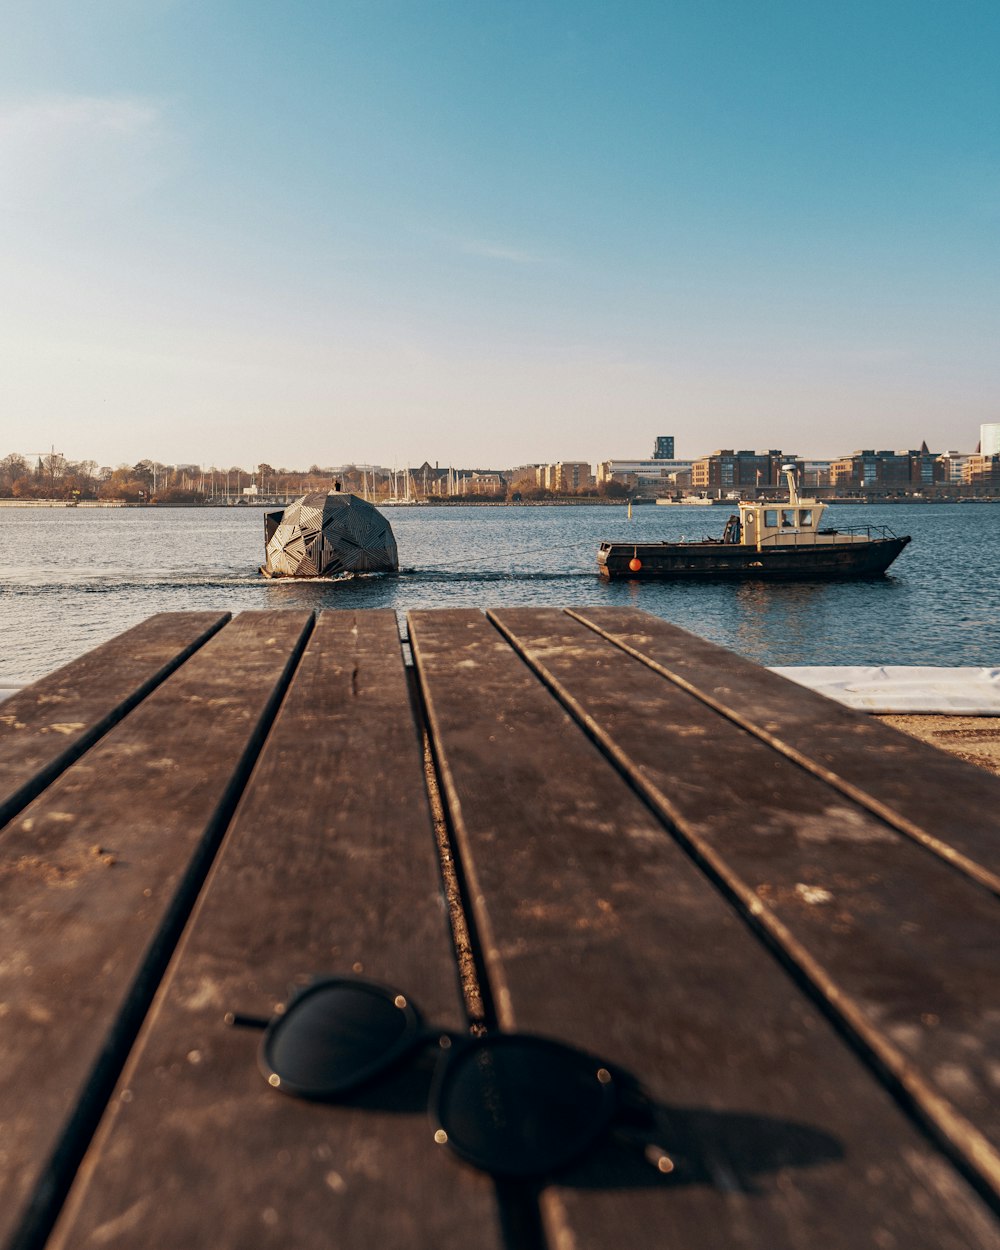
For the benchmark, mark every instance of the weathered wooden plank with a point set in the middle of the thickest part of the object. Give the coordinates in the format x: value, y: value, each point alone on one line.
x: 50, y: 723
x: 330, y: 865
x: 902, y: 947
x: 951, y: 807
x: 598, y: 929
x: 97, y: 877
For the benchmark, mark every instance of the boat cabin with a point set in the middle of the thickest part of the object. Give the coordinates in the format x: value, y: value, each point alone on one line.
x: 770, y: 524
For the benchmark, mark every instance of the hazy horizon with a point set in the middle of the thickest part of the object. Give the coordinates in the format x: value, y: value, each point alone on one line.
x: 382, y: 232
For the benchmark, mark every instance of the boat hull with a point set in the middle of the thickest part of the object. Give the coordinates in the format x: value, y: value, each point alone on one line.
x: 734, y: 560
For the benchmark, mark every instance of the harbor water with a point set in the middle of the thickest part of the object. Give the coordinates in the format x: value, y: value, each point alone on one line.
x: 73, y: 577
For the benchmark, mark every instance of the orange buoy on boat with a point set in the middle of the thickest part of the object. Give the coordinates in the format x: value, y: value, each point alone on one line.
x: 635, y: 564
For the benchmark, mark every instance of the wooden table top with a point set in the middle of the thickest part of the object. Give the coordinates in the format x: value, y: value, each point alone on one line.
x: 778, y: 915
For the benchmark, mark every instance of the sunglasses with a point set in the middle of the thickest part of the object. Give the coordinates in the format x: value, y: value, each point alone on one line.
x: 512, y: 1104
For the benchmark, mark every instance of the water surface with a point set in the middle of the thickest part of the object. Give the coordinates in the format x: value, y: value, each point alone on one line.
x: 72, y: 578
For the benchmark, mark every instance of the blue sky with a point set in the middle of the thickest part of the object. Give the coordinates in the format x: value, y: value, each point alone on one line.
x: 496, y: 233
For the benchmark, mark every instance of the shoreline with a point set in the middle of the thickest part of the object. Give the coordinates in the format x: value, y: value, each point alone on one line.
x: 479, y: 503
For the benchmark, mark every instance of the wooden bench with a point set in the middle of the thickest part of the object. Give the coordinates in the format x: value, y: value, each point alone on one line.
x: 778, y: 915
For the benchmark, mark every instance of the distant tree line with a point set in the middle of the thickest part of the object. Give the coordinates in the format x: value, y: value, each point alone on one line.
x: 53, y: 476
x: 525, y: 486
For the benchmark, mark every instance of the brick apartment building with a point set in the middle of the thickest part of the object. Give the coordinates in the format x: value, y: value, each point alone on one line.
x: 887, y: 470
x: 728, y: 470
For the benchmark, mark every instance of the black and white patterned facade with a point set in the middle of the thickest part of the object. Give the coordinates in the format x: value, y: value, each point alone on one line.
x: 324, y: 535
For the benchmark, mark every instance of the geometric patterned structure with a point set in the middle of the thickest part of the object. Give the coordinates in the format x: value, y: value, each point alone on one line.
x: 322, y: 535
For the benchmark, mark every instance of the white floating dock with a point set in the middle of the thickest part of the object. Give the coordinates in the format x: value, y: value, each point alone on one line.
x: 903, y: 688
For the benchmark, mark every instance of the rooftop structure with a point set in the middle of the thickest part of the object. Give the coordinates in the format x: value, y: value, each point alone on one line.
x: 664, y: 447
x: 657, y: 474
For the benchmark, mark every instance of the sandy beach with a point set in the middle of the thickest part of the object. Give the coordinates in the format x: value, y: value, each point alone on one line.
x: 975, y: 739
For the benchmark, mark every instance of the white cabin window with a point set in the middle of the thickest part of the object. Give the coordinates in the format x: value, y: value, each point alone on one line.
x: 787, y: 518
x: 806, y: 517
x: 771, y: 517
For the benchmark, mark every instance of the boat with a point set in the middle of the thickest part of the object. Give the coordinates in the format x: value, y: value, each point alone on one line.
x: 686, y: 501
x: 327, y: 536
x: 766, y: 541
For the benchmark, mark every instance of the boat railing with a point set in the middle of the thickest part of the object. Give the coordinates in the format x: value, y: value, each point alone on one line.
x: 795, y: 537
x: 870, y: 531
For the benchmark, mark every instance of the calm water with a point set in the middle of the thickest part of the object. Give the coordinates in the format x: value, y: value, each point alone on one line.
x: 74, y: 577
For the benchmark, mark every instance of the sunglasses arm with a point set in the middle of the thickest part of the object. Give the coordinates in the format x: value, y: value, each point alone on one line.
x: 237, y: 1020
x: 653, y: 1153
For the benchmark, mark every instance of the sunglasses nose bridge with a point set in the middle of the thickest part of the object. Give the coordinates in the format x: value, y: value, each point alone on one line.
x: 508, y: 1103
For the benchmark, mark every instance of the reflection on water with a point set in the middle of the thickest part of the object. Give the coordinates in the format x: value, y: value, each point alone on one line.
x: 799, y: 618
x: 72, y: 578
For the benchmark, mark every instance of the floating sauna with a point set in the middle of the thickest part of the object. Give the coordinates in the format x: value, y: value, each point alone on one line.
x: 325, y: 535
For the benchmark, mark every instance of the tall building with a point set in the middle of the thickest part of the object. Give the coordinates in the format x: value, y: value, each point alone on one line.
x: 664, y: 448
x: 989, y: 439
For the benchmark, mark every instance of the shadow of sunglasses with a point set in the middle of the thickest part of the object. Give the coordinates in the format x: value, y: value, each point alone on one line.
x: 512, y: 1104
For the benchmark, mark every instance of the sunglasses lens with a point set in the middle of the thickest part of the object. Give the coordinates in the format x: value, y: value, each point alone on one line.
x: 522, y: 1106
x: 334, y: 1036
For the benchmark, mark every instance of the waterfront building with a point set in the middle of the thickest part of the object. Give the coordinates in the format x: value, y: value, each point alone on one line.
x: 726, y: 470
x: 989, y: 439
x: 650, y: 476
x: 564, y: 475
x: 488, y: 483
x: 953, y: 466
x: 814, y: 474
x: 573, y: 475
x: 983, y: 470
x: 870, y: 470
x: 432, y: 479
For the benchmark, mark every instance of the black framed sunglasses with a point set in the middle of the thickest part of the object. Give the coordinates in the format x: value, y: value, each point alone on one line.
x: 513, y: 1104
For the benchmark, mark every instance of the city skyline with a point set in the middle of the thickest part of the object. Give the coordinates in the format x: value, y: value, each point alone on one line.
x: 663, y: 450
x: 517, y: 234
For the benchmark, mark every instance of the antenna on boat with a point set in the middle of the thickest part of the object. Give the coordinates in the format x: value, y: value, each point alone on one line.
x: 789, y: 472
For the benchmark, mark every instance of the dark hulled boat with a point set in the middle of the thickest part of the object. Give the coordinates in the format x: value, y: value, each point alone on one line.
x: 766, y: 540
